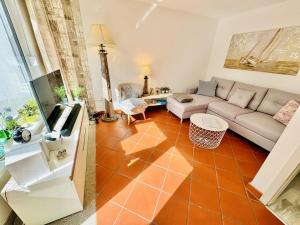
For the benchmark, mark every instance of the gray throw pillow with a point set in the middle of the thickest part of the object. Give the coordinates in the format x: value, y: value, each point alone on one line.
x: 241, y: 97
x: 183, y: 98
x: 128, y: 92
x: 207, y: 88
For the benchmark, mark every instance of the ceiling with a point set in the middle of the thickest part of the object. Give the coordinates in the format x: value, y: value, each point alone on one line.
x: 213, y: 8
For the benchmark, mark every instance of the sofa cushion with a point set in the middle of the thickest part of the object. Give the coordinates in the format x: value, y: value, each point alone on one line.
x: 183, y: 98
x: 130, y: 91
x: 241, y: 98
x: 260, y: 93
x: 286, y: 113
x: 199, y: 102
x: 275, y: 100
x: 227, y: 110
x: 207, y: 88
x: 224, y: 87
x: 262, y: 124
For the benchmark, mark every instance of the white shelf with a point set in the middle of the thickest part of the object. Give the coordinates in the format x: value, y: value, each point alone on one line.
x: 63, y: 167
x: 159, y: 96
x: 61, y: 191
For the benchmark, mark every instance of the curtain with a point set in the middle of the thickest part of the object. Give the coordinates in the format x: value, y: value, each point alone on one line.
x: 58, y: 29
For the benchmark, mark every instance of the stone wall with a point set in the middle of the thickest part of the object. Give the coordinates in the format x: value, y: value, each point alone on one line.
x: 64, y: 20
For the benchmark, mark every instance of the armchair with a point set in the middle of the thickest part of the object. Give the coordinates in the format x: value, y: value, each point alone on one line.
x: 129, y: 100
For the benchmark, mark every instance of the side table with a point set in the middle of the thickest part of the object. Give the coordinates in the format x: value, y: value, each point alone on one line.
x: 207, y: 131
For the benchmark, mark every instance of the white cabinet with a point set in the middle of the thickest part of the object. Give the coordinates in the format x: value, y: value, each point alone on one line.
x: 61, y: 192
x: 4, y: 208
x: 27, y: 162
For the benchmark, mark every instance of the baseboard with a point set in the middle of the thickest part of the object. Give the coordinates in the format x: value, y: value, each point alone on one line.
x: 253, y: 192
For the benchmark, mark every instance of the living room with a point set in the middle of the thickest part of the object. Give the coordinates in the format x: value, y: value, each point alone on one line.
x: 187, y: 114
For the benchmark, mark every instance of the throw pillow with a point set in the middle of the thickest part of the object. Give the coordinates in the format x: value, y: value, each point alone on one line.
x: 128, y: 92
x: 285, y: 114
x: 241, y: 97
x: 183, y: 98
x: 207, y: 88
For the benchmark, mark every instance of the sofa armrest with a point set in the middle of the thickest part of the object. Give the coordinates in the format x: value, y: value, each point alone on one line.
x: 192, y: 90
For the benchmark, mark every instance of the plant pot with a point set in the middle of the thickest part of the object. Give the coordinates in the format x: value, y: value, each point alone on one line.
x: 64, y: 100
x: 77, y: 99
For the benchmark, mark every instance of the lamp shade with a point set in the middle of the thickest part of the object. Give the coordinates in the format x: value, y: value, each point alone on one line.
x: 99, y: 35
x: 146, y: 70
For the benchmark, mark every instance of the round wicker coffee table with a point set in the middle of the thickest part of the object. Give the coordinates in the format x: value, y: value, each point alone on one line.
x: 207, y: 131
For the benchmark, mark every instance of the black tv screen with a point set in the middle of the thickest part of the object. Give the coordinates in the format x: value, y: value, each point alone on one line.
x: 43, y: 89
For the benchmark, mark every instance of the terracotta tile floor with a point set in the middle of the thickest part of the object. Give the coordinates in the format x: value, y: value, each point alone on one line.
x: 150, y: 173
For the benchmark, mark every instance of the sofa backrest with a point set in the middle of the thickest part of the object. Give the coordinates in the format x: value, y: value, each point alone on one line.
x: 223, y: 88
x: 260, y: 93
x: 275, y: 100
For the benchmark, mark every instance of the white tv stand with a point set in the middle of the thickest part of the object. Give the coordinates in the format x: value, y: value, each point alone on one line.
x: 59, y: 193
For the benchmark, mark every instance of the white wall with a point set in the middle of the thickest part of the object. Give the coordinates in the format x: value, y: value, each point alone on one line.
x: 177, y: 45
x: 279, y: 15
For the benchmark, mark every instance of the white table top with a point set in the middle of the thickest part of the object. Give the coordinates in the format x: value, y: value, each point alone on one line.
x: 209, y: 122
x: 159, y: 96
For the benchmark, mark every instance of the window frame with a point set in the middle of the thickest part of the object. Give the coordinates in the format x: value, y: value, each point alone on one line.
x: 15, y: 43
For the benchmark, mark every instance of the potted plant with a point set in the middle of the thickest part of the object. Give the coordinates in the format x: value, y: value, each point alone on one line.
x: 11, y: 124
x: 29, y: 113
x: 7, y: 124
x: 60, y: 92
x: 77, y: 93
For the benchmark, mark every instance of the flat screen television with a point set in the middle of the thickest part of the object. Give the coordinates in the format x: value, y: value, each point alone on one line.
x: 48, y: 102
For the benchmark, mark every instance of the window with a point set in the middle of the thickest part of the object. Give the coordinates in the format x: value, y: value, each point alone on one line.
x: 14, y: 87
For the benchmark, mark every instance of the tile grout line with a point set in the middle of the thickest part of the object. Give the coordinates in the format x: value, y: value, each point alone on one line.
x: 126, y: 209
x: 126, y: 200
x: 182, y: 128
x: 131, y: 191
x: 218, y: 188
x: 240, y: 176
x: 163, y: 184
x: 190, y: 188
x: 243, y: 183
x: 136, y: 180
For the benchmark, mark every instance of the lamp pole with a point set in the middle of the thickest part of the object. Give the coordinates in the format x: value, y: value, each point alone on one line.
x: 109, y: 115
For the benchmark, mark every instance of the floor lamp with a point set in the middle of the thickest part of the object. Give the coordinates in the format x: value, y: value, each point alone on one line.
x: 99, y: 36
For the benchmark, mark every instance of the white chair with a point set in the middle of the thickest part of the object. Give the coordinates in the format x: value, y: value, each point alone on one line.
x: 129, y: 100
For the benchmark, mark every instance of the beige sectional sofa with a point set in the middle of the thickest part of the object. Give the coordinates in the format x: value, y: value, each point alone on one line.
x: 255, y: 122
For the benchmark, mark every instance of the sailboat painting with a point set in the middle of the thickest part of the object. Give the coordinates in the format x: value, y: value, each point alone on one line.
x: 272, y: 51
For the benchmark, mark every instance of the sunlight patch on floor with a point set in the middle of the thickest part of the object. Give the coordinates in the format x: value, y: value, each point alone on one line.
x: 137, y: 145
